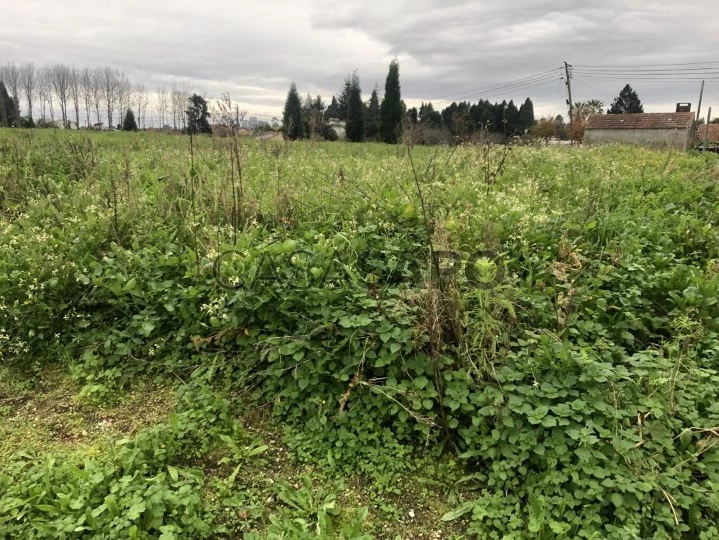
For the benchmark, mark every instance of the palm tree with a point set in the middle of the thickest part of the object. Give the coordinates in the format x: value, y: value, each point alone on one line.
x: 581, y: 111
x: 595, y: 106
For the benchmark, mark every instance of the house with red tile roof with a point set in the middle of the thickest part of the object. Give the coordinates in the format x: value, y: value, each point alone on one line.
x: 712, y: 140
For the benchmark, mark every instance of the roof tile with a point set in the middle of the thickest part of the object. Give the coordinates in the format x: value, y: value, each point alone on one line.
x: 640, y: 121
x: 713, y: 132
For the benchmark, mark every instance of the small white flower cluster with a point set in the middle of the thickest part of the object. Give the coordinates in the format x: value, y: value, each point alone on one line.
x: 216, y: 307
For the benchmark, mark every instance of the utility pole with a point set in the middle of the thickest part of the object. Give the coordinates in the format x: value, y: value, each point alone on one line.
x: 699, y: 108
x: 706, y: 132
x: 569, y: 102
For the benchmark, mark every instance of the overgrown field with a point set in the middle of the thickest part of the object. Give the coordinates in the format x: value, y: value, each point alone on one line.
x: 238, y: 339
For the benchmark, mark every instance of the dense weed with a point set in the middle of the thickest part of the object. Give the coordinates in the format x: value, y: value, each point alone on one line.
x: 571, y: 362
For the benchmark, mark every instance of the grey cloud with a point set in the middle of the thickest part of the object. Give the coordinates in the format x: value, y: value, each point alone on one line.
x: 254, y: 50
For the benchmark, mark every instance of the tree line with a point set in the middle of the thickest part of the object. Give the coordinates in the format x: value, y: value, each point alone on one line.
x: 385, y: 120
x: 31, y: 95
x: 58, y: 93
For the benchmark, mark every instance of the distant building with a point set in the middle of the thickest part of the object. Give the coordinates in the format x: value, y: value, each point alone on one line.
x: 271, y: 136
x: 338, y: 126
x: 655, y: 130
x: 712, y: 139
x: 59, y: 124
x: 220, y: 130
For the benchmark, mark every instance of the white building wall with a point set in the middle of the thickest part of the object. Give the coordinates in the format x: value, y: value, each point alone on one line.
x: 654, y: 138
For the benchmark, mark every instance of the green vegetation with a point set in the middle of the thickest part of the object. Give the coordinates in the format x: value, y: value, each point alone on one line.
x: 292, y: 115
x: 390, y: 125
x: 626, y: 102
x: 355, y: 110
x: 129, y: 123
x: 198, y: 115
x: 351, y: 341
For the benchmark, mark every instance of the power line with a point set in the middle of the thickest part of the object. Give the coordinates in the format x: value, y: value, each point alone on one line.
x: 646, y: 79
x: 639, y: 69
x: 646, y: 65
x: 487, y: 95
x: 528, y: 78
x: 713, y: 72
x: 603, y: 92
x: 508, y: 88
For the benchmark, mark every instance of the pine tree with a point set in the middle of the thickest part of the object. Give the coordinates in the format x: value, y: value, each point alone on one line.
x: 413, y: 116
x: 526, y: 115
x: 129, y: 123
x: 372, y: 117
x: 390, y: 123
x: 197, y: 115
x: 306, y: 104
x: 429, y: 117
x: 292, y: 115
x: 333, y: 111
x: 627, y: 102
x: 343, y: 100
x: 448, y: 115
x: 486, y: 119
x: 354, y: 126
x: 312, y: 113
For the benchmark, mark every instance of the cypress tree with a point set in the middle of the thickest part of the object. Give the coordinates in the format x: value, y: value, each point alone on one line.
x: 292, y: 115
x: 627, y: 102
x: 526, y: 115
x: 390, y: 123
x: 372, y: 117
x: 129, y: 123
x: 354, y: 126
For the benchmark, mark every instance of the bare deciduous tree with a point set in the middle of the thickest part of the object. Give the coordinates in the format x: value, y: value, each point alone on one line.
x: 96, y: 91
x: 163, y: 105
x: 109, y: 91
x: 228, y: 113
x: 60, y: 80
x: 28, y: 80
x: 141, y: 101
x: 179, y: 97
x: 44, y: 86
x: 11, y: 77
x: 86, y: 93
x: 75, y: 93
x: 124, y: 94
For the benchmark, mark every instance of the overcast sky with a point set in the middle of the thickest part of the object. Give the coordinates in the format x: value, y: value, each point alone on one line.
x: 448, y: 50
